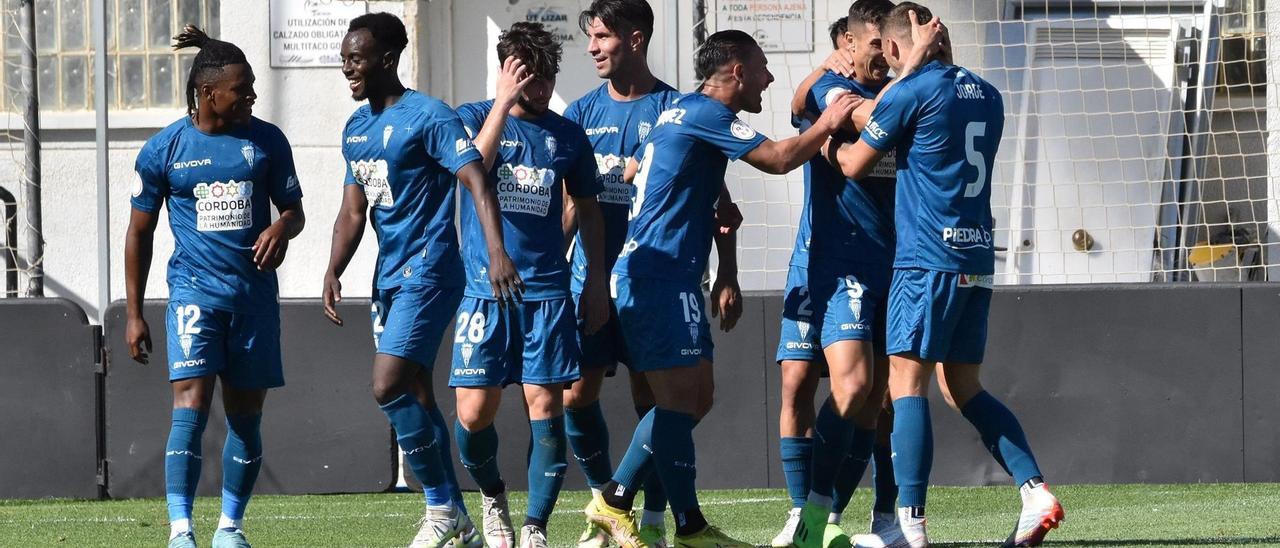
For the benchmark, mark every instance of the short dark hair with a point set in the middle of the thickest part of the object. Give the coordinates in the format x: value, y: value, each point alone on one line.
x: 207, y: 65
x: 533, y: 44
x: 868, y: 11
x: 836, y: 29
x: 898, y: 21
x: 620, y: 16
x: 387, y: 30
x: 720, y: 49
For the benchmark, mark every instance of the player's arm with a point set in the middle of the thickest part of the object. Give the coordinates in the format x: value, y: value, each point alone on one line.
x: 728, y: 216
x: 569, y: 219
x: 503, y: 278
x: 138, y: 245
x: 726, y: 295
x: 779, y: 157
x: 591, y: 238
x: 348, y: 229
x: 840, y: 62
x: 273, y: 243
x: 855, y: 160
x: 511, y: 82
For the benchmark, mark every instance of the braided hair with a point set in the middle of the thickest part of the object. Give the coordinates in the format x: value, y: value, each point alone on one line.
x: 208, y: 64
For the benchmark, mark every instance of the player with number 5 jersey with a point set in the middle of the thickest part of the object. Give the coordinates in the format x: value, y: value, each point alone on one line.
x: 658, y: 277
x: 218, y: 170
x: 945, y: 123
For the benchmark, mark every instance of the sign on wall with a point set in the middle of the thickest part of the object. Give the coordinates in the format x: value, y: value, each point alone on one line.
x: 308, y: 33
x: 560, y: 17
x: 778, y: 25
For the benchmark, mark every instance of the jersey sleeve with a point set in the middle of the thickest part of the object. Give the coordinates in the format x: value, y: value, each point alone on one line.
x: 350, y: 176
x: 472, y: 118
x: 150, y: 184
x: 447, y: 141
x: 581, y: 180
x: 573, y: 112
x: 826, y: 90
x: 282, y: 175
x: 894, y: 113
x: 724, y: 131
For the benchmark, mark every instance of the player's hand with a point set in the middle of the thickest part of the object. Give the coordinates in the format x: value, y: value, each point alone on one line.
x: 840, y: 62
x: 594, y: 307
x: 726, y: 301
x: 728, y: 217
x: 512, y: 80
x: 507, y: 286
x: 929, y: 40
x: 137, y: 334
x: 332, y: 296
x: 269, y: 250
x: 839, y: 113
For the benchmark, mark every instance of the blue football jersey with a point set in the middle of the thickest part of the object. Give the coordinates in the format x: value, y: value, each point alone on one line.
x: 615, y: 129
x: 535, y: 157
x: 405, y: 158
x: 219, y: 190
x: 945, y: 123
x: 843, y: 220
x: 681, y: 174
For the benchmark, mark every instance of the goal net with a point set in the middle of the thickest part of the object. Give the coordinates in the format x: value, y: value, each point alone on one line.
x: 1135, y: 145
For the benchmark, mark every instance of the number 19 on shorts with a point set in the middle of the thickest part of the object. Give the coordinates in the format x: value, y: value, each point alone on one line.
x: 689, y: 304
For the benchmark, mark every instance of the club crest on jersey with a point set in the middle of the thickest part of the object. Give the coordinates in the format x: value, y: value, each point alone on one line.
x: 643, y: 130
x: 247, y: 152
x: 185, y: 341
x: 693, y: 331
x: 803, y: 327
x: 386, y: 134
x: 741, y: 130
x: 551, y: 146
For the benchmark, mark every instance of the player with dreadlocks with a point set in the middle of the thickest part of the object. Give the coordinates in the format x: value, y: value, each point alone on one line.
x: 218, y: 169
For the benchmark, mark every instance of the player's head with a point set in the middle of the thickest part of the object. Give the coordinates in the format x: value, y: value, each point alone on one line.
x: 618, y: 33
x: 732, y: 60
x: 540, y: 52
x: 371, y: 53
x: 863, y: 36
x: 220, y: 83
x: 895, y: 30
x: 837, y: 30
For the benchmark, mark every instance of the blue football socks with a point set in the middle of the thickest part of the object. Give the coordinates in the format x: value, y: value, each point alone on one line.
x: 479, y: 454
x: 589, y: 437
x: 913, y: 449
x: 241, y: 462
x: 796, y: 456
x: 547, y: 464
x: 182, y: 461
x: 1002, y: 435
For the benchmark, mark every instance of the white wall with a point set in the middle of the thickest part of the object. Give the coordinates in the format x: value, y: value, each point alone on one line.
x: 451, y: 55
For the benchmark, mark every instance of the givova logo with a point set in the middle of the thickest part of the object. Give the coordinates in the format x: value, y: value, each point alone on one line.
x: 524, y: 189
x: 372, y: 175
x: 192, y: 163
x: 223, y: 206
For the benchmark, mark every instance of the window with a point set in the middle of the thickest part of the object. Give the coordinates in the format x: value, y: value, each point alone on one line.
x: 144, y: 70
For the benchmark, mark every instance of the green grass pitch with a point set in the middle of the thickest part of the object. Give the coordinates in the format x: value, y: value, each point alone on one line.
x: 1097, y: 515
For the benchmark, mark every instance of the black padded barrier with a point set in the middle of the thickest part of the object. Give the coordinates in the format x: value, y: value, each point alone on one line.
x: 1108, y: 382
x: 1260, y: 338
x: 322, y: 432
x: 48, y: 400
